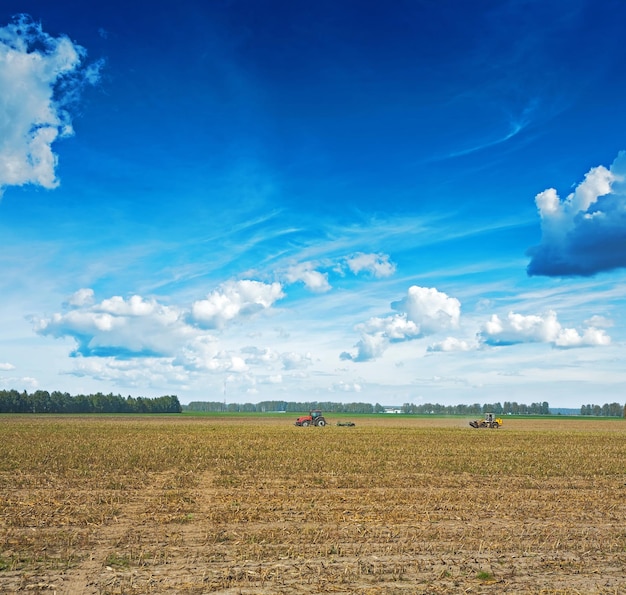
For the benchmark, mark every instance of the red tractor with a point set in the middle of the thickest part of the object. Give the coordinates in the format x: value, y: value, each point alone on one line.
x: 314, y: 418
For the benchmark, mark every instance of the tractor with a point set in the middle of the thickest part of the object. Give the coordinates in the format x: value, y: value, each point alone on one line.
x: 314, y: 418
x: 489, y: 422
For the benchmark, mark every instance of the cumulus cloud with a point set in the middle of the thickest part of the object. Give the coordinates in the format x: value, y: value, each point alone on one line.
x: 234, y: 299
x: 450, y: 344
x: 599, y: 322
x: 295, y: 361
x: 585, y: 233
x: 40, y: 76
x: 6, y: 366
x: 119, y: 327
x: 394, y: 328
x: 377, y: 265
x: 82, y: 297
x: 519, y: 328
x: 306, y: 273
x: 199, y: 353
x: 433, y: 310
x: 140, y: 341
x: 258, y: 355
x: 369, y: 347
x: 424, y: 311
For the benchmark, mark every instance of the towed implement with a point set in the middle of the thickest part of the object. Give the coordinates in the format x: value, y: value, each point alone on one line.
x: 489, y: 422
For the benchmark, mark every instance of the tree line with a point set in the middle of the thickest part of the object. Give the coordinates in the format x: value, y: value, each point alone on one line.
x: 282, y: 407
x: 41, y: 401
x: 508, y: 408
x: 606, y: 410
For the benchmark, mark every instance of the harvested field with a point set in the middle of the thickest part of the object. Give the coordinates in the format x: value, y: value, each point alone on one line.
x: 254, y: 505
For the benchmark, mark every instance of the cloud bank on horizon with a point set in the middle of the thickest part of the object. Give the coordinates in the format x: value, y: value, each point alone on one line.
x: 585, y: 233
x: 40, y: 76
x: 117, y: 338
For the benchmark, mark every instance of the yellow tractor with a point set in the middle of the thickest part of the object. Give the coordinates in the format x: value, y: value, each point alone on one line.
x: 490, y: 421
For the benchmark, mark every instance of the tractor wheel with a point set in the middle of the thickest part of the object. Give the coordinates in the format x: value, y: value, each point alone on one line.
x: 305, y: 424
x: 495, y: 425
x: 320, y: 422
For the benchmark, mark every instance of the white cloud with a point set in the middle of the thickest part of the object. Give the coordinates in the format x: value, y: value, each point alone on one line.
x: 306, y: 273
x: 203, y: 355
x: 237, y: 364
x: 450, y: 344
x: 431, y: 309
x: 198, y: 353
x: 260, y: 356
x: 121, y: 339
x: 377, y: 265
x: 295, y: 361
x: 269, y: 358
x: 234, y: 299
x: 82, y: 297
x: 395, y: 328
x: 19, y: 383
x: 6, y: 366
x: 150, y: 372
x: 119, y: 327
x: 368, y: 347
x: 570, y: 337
x: 33, y: 103
x: 347, y: 387
x: 424, y: 311
x: 558, y: 216
x: 599, y: 322
x: 518, y: 328
x: 585, y: 233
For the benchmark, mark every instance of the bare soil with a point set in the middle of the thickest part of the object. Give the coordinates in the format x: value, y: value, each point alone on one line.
x: 425, y: 532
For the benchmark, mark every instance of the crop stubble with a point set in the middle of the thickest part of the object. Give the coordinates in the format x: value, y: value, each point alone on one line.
x: 111, y: 505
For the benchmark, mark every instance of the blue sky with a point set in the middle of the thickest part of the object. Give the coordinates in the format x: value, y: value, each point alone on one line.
x: 399, y: 202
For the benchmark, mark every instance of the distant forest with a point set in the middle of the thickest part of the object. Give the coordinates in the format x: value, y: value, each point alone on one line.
x: 41, y: 401
x: 508, y: 408
x: 606, y: 410
x: 407, y: 408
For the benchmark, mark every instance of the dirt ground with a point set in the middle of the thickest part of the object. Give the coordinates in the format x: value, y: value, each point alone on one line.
x: 193, y: 533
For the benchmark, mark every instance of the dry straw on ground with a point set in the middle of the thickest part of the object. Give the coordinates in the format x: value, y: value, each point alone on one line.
x: 236, y: 505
